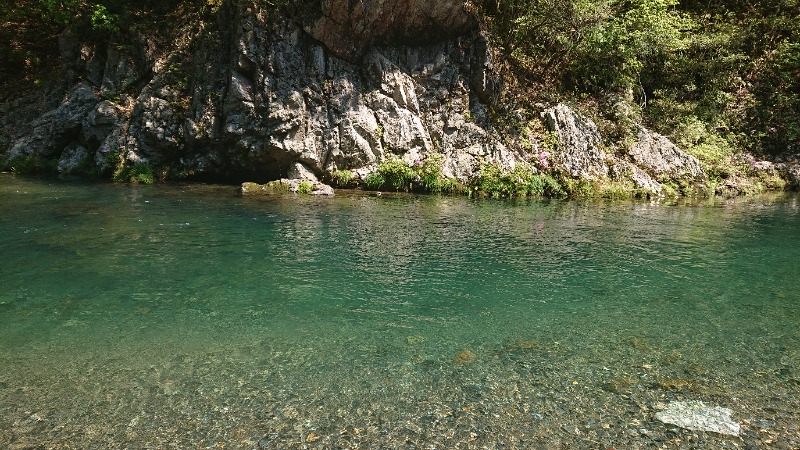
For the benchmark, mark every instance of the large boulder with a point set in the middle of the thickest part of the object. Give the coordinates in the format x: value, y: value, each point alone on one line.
x: 57, y: 128
x: 663, y: 159
x: 72, y: 158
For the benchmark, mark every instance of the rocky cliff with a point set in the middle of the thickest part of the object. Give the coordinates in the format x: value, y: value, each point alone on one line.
x: 250, y: 93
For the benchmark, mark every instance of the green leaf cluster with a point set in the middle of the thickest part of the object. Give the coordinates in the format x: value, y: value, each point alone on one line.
x: 305, y: 187
x: 342, y: 178
x: 140, y: 172
x: 732, y: 65
x: 422, y: 175
x: 522, y: 181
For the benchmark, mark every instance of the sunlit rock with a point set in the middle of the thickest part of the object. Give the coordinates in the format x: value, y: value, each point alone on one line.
x: 697, y: 416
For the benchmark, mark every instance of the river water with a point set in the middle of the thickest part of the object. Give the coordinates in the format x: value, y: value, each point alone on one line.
x: 185, y: 316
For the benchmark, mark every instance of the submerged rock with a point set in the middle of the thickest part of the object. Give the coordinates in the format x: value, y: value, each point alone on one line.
x: 464, y: 357
x: 697, y: 416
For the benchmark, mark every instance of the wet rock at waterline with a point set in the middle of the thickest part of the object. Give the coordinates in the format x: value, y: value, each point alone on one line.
x: 698, y: 416
x: 285, y: 185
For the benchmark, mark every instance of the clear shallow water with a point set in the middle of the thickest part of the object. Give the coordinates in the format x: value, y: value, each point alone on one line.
x: 187, y: 317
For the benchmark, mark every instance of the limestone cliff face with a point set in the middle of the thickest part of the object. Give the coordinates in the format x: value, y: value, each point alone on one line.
x: 250, y: 94
x: 347, y: 28
x: 253, y: 94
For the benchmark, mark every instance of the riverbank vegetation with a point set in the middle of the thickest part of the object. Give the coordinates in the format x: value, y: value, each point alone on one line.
x: 716, y: 77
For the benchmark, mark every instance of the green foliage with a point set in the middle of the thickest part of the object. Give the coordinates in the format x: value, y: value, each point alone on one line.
x: 61, y: 11
x: 429, y: 171
x: 397, y: 174
x: 616, y: 49
x: 32, y: 164
x: 589, y: 45
x: 733, y: 65
x: 102, y: 16
x: 492, y: 181
x: 103, y: 19
x: 578, y: 187
x: 739, y: 76
x: 374, y: 181
x: 138, y: 173
x: 341, y: 178
x: 422, y: 175
x: 777, y: 112
x: 305, y: 187
x: 713, y: 151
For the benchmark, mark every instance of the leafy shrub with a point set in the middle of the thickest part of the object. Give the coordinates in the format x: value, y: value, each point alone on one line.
x: 374, y: 181
x: 138, y: 173
x: 397, y: 174
x: 103, y: 19
x: 712, y: 150
x: 520, y: 182
x: 305, y: 187
x: 341, y: 178
x: 587, y: 44
x: 30, y: 164
x: 429, y: 171
x: 578, y: 187
x: 424, y: 175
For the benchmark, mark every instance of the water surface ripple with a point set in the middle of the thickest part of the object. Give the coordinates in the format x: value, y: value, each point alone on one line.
x: 183, y: 316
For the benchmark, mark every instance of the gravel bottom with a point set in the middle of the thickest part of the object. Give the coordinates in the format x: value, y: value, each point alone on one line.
x: 397, y: 392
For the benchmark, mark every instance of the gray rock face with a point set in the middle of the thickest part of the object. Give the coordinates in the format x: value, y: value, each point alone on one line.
x: 294, y: 101
x: 71, y: 158
x: 656, y: 154
x: 262, y: 97
x: 624, y: 170
x: 346, y: 28
x: 300, y: 172
x: 579, y: 144
x: 54, y: 130
x: 791, y: 171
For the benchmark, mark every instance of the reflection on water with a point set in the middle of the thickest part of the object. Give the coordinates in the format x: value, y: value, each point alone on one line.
x: 184, y: 316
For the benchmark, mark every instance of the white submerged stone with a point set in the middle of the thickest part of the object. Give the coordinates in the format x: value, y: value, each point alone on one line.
x: 697, y: 416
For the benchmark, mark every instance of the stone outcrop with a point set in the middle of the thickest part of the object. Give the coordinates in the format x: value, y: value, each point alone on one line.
x: 58, y: 130
x: 663, y: 159
x: 788, y: 167
x: 347, y: 28
x: 286, y: 185
x: 259, y: 96
x: 579, y: 146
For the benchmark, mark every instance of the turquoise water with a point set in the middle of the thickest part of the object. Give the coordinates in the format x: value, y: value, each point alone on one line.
x: 185, y: 316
